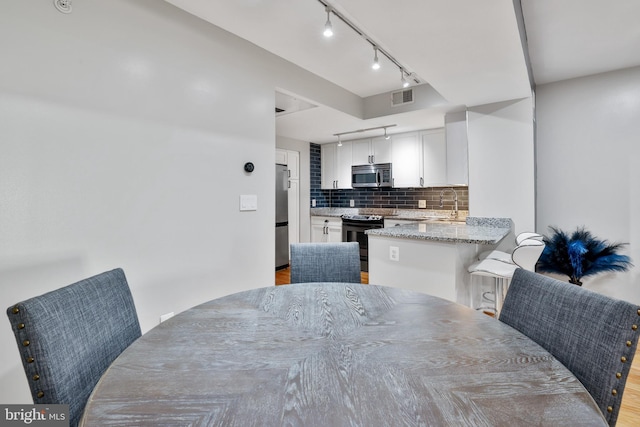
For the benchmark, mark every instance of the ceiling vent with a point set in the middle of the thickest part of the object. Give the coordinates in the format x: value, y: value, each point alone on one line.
x: 401, y: 97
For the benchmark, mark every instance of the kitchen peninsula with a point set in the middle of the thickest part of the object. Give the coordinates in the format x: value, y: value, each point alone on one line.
x: 432, y: 256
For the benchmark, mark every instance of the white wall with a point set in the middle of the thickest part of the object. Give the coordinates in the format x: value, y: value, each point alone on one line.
x: 588, y: 157
x: 124, y: 127
x: 501, y: 162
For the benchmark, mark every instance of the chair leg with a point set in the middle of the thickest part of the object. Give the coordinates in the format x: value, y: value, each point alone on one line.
x: 479, y: 295
x: 502, y: 285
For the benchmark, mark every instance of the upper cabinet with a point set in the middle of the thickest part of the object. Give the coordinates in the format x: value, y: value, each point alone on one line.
x: 428, y: 158
x: 336, y: 166
x: 291, y: 159
x: 457, y: 151
x: 420, y: 159
x: 433, y: 158
x: 371, y: 150
x: 406, y: 160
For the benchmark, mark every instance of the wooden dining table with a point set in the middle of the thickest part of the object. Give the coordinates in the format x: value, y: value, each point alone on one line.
x: 337, y: 354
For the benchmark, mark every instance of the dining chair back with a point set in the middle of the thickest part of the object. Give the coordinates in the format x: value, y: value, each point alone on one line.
x: 593, y: 335
x: 68, y: 337
x: 325, y: 262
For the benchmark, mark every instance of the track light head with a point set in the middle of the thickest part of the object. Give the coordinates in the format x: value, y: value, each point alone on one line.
x: 376, y: 63
x: 339, y: 141
x: 328, y: 28
x: 385, y: 134
x: 403, y: 79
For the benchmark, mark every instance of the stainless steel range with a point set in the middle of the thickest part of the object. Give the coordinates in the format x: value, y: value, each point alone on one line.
x: 353, y: 228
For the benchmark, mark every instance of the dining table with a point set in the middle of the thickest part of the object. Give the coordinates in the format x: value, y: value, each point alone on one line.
x: 337, y: 354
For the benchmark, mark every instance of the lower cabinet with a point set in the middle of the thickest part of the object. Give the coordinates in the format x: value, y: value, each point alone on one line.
x: 326, y: 229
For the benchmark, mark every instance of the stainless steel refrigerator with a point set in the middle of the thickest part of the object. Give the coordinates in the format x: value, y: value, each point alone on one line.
x: 282, y: 216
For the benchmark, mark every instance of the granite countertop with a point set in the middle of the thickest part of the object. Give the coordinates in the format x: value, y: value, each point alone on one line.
x: 488, y: 231
x: 434, y: 225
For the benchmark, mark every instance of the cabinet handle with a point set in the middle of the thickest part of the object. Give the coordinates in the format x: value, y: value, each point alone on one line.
x: 373, y: 159
x: 289, y: 172
x: 421, y: 182
x: 288, y: 184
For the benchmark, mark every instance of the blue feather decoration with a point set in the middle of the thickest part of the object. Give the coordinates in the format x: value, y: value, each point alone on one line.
x: 581, y: 254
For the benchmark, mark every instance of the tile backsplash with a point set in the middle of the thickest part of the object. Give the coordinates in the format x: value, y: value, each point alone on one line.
x: 394, y: 198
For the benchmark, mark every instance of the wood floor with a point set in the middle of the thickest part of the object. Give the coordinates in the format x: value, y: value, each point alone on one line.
x: 629, y: 412
x: 283, y: 277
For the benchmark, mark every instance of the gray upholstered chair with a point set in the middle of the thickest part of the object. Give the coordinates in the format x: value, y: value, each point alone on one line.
x: 593, y: 335
x: 325, y: 262
x: 68, y: 337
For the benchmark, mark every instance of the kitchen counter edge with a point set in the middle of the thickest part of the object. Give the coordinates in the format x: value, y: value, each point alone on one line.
x: 476, y: 230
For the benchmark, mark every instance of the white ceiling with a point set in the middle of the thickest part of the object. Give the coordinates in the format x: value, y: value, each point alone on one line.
x: 467, y: 50
x: 575, y: 38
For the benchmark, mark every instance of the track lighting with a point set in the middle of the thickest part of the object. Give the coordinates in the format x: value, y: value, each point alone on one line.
x: 376, y: 63
x: 328, y: 32
x: 328, y: 29
x: 403, y: 80
x: 363, y: 130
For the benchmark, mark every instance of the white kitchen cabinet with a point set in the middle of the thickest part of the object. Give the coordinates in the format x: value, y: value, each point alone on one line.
x: 294, y: 211
x: 292, y: 160
x: 293, y: 164
x: 420, y: 159
x: 325, y: 229
x: 371, y: 150
x: 406, y: 160
x: 336, y: 166
x: 457, y: 150
x: 281, y: 156
x: 433, y: 160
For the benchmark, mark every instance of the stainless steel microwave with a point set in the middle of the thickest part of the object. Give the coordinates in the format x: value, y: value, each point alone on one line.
x: 371, y: 176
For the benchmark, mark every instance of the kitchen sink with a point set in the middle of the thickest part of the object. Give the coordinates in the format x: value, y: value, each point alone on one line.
x: 446, y: 219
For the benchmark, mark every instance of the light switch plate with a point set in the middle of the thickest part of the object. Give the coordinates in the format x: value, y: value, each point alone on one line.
x: 422, y: 204
x: 248, y: 202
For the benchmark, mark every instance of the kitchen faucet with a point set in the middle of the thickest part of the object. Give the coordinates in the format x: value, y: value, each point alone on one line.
x: 455, y: 199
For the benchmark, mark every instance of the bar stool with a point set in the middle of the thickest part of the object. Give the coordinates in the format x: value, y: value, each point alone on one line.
x: 506, y: 256
x: 525, y: 256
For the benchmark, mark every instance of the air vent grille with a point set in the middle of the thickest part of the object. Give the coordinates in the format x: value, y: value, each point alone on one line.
x: 401, y: 97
